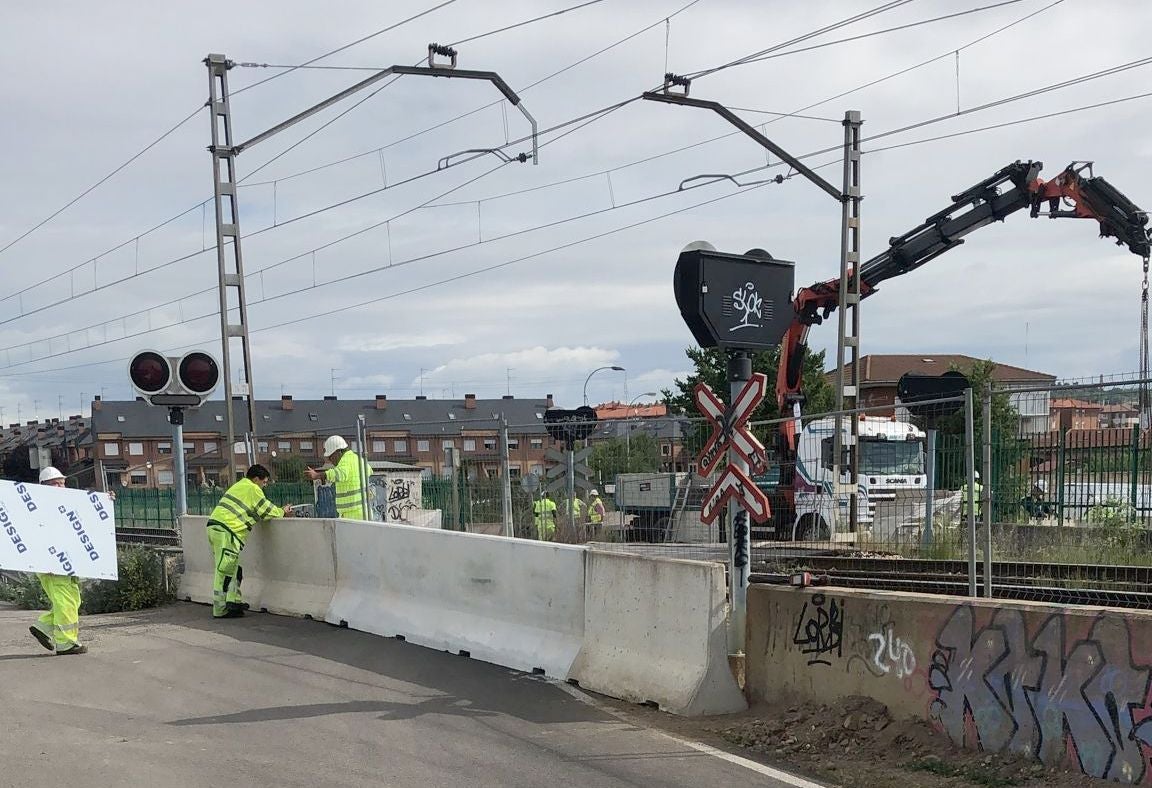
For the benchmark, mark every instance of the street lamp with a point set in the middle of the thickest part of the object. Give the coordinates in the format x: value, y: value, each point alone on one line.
x: 614, y: 368
x: 628, y: 435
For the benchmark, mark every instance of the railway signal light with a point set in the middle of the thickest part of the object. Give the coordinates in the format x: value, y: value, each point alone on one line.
x: 175, y: 381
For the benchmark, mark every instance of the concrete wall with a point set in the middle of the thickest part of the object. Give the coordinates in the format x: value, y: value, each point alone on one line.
x: 1063, y: 685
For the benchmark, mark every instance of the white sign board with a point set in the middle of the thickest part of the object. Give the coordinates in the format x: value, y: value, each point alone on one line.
x: 57, y: 531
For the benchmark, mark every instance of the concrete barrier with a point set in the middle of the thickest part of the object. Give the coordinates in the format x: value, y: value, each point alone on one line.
x: 289, y: 565
x: 512, y: 602
x: 1070, y: 686
x: 655, y: 631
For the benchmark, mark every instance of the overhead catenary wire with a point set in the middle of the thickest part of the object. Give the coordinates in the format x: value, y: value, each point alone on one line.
x: 71, y: 271
x: 593, y: 116
x: 503, y: 264
x: 1053, y: 4
x: 178, y: 125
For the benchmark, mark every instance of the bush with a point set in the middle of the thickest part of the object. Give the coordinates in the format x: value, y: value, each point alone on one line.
x: 141, y: 585
x: 24, y: 591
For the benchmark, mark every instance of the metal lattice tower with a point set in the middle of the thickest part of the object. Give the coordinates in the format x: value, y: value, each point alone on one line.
x: 848, y: 340
x: 231, y: 264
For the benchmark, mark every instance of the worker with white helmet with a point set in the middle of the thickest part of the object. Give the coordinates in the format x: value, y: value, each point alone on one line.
x: 59, y: 629
x: 349, y: 473
x: 596, y: 509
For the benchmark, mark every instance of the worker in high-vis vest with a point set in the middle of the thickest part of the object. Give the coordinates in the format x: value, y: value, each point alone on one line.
x: 59, y: 629
x: 544, y: 517
x: 596, y: 509
x: 242, y: 506
x: 349, y: 473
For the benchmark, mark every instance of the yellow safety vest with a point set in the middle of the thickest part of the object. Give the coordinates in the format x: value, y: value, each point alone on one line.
x: 596, y: 511
x: 242, y: 506
x: 544, y: 514
x: 350, y: 502
x: 978, y: 491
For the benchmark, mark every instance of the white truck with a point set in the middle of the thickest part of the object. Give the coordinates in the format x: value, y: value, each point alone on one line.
x: 890, y: 479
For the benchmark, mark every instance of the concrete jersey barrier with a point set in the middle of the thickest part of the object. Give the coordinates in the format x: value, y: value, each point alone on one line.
x: 289, y: 565
x: 655, y: 631
x: 512, y: 602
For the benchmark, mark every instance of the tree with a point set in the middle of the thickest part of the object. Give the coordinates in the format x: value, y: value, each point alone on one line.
x: 711, y: 367
x: 1005, y: 418
x: 640, y: 454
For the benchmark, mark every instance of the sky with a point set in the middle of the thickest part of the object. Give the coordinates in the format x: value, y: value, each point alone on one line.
x: 487, y: 277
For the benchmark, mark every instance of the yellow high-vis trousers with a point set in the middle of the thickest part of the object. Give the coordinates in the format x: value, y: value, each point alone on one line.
x: 62, y: 623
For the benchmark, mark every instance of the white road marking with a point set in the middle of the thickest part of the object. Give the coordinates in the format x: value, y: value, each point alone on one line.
x: 759, y: 768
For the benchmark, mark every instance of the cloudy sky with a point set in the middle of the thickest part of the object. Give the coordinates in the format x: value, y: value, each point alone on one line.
x: 488, y: 277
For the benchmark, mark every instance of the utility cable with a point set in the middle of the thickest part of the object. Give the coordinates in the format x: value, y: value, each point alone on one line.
x: 135, y: 239
x: 187, y: 118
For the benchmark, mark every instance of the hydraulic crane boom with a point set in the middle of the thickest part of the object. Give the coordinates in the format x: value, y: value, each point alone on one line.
x: 1013, y: 188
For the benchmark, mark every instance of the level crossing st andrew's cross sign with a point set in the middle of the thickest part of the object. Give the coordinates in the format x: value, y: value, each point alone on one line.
x: 730, y: 429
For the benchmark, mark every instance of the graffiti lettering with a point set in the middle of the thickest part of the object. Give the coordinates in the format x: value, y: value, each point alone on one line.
x: 820, y: 629
x: 740, y: 539
x: 1040, y: 697
x: 398, y: 512
x: 892, y: 652
x: 745, y: 299
x: 399, y: 490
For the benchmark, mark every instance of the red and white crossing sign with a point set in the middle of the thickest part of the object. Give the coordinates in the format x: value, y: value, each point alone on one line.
x: 735, y: 484
x: 730, y: 428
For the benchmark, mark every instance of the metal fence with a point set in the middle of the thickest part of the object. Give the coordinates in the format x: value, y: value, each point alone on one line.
x: 155, y: 508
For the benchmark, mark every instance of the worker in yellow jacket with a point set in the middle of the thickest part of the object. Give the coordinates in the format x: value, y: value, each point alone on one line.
x: 59, y: 629
x: 350, y: 474
x: 242, y: 506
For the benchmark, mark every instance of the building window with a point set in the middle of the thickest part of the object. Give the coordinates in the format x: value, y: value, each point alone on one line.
x: 262, y: 447
x: 305, y: 445
x: 239, y: 448
x: 513, y: 471
x: 135, y: 449
x: 138, y: 479
x: 448, y: 444
x: 111, y: 449
x: 513, y: 443
x: 421, y: 445
x: 164, y: 448
x: 400, y: 447
x: 190, y: 448
x: 536, y: 443
x: 284, y: 445
x: 379, y: 447
x: 469, y: 444
x: 665, y: 450
x: 164, y: 478
x: 489, y: 444
x: 209, y: 447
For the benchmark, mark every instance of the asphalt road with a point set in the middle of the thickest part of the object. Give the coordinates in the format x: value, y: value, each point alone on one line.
x: 171, y: 697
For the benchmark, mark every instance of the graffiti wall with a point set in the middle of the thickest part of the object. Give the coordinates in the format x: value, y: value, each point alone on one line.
x: 1061, y: 685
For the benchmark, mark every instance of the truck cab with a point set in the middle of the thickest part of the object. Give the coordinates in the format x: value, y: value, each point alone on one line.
x: 891, y: 471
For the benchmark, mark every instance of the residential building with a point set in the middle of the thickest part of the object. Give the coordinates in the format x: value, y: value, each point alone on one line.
x: 880, y: 374
x: 1119, y: 415
x: 619, y: 410
x: 66, y: 444
x: 133, y: 441
x: 1075, y: 414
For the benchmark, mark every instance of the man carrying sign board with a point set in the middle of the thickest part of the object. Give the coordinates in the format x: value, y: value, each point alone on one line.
x: 59, y: 629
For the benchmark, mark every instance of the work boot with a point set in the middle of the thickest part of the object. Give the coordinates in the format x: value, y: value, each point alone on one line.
x: 234, y: 610
x: 42, y: 638
x: 75, y: 649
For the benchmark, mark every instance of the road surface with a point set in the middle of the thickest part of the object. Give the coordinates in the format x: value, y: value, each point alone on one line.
x: 171, y: 697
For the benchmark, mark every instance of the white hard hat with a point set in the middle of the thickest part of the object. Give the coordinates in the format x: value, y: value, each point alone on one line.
x: 333, y: 445
x: 593, y: 492
x: 976, y: 474
x: 50, y: 473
